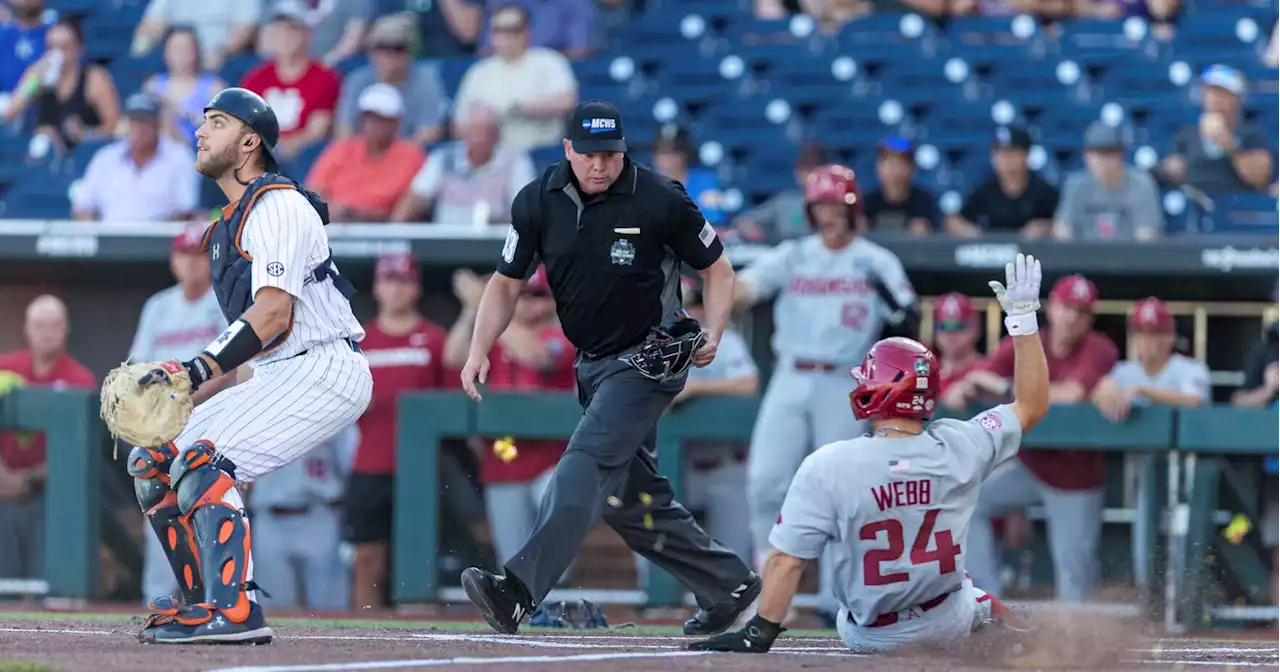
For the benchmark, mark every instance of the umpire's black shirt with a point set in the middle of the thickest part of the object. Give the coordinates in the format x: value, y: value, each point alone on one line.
x: 612, y: 259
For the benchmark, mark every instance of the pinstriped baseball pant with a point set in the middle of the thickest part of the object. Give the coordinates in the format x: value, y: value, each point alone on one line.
x: 287, y: 408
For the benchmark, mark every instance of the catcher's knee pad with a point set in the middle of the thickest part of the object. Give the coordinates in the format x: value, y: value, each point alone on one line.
x: 210, y: 503
x: 150, y: 469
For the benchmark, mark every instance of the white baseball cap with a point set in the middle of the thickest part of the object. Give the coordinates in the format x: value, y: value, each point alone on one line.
x: 383, y: 100
x: 1224, y: 77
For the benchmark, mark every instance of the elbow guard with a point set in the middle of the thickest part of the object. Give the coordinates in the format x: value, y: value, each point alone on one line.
x: 237, y: 345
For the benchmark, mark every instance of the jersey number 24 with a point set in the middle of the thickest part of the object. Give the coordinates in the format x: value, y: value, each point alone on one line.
x: 944, y: 552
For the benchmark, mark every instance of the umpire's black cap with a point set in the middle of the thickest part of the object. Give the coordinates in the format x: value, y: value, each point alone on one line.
x: 250, y: 108
x: 596, y: 126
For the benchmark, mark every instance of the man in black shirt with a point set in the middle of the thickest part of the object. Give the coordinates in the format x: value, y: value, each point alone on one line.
x: 898, y: 205
x: 612, y: 236
x: 1013, y: 199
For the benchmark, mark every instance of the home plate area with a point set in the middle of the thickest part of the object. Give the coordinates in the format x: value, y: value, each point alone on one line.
x: 106, y: 644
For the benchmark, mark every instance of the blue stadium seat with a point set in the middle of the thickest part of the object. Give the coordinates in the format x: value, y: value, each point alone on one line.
x: 806, y: 81
x: 690, y: 76
x: 1091, y: 42
x: 1246, y: 214
x: 545, y: 156
x: 1137, y: 83
x: 451, y: 73
x: 876, y: 31
x: 236, y: 67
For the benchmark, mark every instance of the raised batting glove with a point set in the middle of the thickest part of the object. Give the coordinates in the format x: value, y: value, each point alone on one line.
x: 1020, y: 295
x: 756, y: 637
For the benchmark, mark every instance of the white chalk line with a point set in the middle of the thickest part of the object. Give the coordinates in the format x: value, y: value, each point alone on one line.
x: 442, y: 662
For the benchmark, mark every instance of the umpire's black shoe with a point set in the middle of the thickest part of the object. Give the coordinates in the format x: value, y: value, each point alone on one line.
x: 720, y: 616
x: 497, y: 599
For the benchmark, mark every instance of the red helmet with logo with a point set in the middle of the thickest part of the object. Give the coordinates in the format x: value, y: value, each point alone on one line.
x: 832, y: 184
x: 898, y: 379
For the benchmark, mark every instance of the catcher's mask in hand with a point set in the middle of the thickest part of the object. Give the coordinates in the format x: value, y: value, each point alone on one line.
x: 668, y: 351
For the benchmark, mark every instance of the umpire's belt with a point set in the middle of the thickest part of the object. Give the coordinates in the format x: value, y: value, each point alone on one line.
x: 892, y: 617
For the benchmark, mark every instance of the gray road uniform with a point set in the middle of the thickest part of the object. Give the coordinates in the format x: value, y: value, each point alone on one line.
x: 1181, y: 374
x: 891, y: 514
x: 826, y: 317
x: 297, y: 527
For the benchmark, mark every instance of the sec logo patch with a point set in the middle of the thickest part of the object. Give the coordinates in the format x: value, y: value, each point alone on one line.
x: 990, y: 422
x: 275, y: 269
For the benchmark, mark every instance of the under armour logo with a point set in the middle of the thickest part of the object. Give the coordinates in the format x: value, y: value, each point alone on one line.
x: 218, y: 621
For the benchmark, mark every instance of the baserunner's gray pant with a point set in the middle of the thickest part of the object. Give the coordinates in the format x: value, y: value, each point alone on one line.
x: 607, y: 470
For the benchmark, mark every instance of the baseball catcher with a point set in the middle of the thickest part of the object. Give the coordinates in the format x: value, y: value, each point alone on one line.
x: 893, y: 505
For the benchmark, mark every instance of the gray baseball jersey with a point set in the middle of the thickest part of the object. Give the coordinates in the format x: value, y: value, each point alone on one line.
x: 895, y: 509
x: 315, y: 479
x: 171, y: 327
x: 733, y: 360
x: 1182, y: 374
x: 826, y: 308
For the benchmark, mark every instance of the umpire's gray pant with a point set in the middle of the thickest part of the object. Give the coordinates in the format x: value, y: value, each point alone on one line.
x: 612, y: 455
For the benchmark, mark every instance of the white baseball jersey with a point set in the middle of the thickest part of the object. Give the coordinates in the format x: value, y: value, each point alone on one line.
x: 826, y: 308
x: 896, y: 510
x: 287, y: 241
x: 1181, y: 374
x: 171, y: 327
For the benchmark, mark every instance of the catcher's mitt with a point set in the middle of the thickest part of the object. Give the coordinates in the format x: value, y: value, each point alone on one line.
x: 146, y: 416
x: 668, y: 351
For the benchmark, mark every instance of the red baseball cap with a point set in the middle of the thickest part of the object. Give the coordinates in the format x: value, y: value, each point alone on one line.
x: 953, y: 311
x: 1075, y: 291
x: 1150, y: 314
x: 397, y: 267
x: 191, y: 239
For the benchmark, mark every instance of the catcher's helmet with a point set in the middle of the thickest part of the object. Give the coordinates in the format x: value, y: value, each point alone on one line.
x: 250, y: 108
x: 898, y: 379
x: 832, y: 184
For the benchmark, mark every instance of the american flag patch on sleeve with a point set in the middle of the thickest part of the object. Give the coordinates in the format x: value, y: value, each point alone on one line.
x: 707, y: 235
x: 899, y: 465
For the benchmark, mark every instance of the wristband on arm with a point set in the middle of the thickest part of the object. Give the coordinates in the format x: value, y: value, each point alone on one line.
x: 1021, y: 325
x: 237, y: 345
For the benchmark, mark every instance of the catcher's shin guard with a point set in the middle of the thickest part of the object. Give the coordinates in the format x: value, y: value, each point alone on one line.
x: 210, y: 502
x: 150, y: 470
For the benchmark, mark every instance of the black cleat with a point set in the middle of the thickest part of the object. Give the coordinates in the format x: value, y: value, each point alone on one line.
x: 721, y: 616
x: 493, y: 595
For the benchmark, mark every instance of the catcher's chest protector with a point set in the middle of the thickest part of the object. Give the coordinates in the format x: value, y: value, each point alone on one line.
x: 231, y: 267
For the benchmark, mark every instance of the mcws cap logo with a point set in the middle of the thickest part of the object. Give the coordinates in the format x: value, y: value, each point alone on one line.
x: 599, y: 125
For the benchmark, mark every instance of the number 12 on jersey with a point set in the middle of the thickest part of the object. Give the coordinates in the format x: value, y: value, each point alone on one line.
x: 944, y: 552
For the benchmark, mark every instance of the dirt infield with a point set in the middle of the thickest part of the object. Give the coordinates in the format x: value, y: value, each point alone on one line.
x: 99, y: 643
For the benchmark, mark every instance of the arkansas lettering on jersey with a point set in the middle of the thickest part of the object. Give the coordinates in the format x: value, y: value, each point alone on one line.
x: 317, y: 90
x: 532, y: 456
x: 826, y: 308
x: 894, y: 511
x: 399, y: 364
x: 171, y: 327
x: 25, y: 450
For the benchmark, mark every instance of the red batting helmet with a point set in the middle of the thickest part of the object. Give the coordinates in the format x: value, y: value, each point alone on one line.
x: 898, y: 379
x: 832, y: 184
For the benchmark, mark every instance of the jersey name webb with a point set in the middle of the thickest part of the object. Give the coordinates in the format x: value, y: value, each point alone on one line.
x: 903, y: 493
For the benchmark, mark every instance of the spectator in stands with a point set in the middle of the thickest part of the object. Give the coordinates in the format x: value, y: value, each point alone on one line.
x: 473, y: 175
x: 1261, y: 371
x: 532, y: 355
x: 1271, y: 57
x: 391, y: 62
x: 1013, y: 198
x: 676, y: 158
x: 146, y: 177
x: 337, y: 26
x: 75, y: 100
x: 1221, y: 155
x: 898, y: 205
x: 184, y: 88
x: 22, y: 41
x: 44, y: 363
x: 782, y: 216
x: 831, y: 15
x: 176, y: 323
x: 529, y: 89
x: 405, y: 353
x: 302, y: 90
x: 226, y: 27
x: 1157, y: 376
x: 365, y: 176
x: 567, y: 26
x: 1069, y: 484
x: 956, y: 329
x: 1109, y: 200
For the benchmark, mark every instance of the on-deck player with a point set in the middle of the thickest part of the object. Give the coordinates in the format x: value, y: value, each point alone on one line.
x: 894, y: 505
x: 831, y: 290
x: 291, y: 322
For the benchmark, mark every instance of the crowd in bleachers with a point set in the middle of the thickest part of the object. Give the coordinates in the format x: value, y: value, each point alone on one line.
x: 436, y: 111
